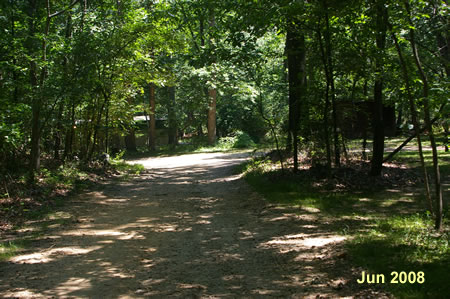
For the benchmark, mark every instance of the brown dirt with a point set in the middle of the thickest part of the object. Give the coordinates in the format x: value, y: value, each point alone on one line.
x: 187, y: 228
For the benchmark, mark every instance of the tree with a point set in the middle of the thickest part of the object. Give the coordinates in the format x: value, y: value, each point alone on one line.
x: 377, y: 119
x: 426, y: 107
x: 152, y: 121
x: 296, y: 53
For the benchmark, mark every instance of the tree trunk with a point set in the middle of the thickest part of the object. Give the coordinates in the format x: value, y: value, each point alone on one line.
x: 327, y: 99
x: 36, y: 104
x: 377, y: 117
x: 152, y: 126
x: 130, y: 140
x: 70, y: 132
x: 105, y: 103
x: 107, y: 128
x: 337, y: 154
x: 212, y: 92
x: 35, y: 162
x: 58, y: 132
x: 407, y: 140
x: 172, y: 117
x: 296, y: 53
x: 15, y: 93
x: 446, y: 135
x: 414, y: 119
x: 200, y: 130
x: 212, y: 97
x: 426, y: 108
x: 59, y: 126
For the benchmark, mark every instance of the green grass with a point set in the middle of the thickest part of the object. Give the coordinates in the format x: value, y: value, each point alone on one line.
x: 387, y: 240
x: 406, y: 243
x: 42, y: 208
x: 293, y: 192
x: 47, y: 218
x: 130, y: 169
x: 11, y: 248
x: 411, y: 158
x: 65, y: 176
x: 396, y: 141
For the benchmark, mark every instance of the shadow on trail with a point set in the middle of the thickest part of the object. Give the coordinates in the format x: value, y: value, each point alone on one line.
x: 193, y: 230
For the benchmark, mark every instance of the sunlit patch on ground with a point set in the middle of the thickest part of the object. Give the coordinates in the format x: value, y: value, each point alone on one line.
x: 304, y: 240
x: 72, y: 285
x: 21, y: 293
x: 181, y: 231
x: 49, y: 255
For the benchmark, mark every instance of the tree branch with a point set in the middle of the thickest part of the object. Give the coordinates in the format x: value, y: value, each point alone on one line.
x: 64, y: 10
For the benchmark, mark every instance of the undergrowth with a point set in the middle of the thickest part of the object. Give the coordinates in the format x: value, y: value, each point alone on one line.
x: 393, y: 235
x: 11, y: 248
x: 20, y: 200
x: 406, y: 243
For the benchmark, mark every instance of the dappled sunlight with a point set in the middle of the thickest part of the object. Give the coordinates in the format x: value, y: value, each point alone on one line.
x: 310, y: 209
x: 21, y: 293
x: 389, y: 203
x: 284, y: 217
x: 190, y: 286
x: 45, y: 256
x: 115, y: 200
x: 309, y: 226
x: 72, y: 285
x: 365, y: 199
x: 305, y: 240
x: 187, y: 231
x: 308, y: 217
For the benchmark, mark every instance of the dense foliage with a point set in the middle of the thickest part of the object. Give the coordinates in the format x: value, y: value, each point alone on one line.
x: 301, y: 75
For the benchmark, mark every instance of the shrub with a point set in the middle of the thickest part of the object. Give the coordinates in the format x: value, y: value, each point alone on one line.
x: 238, y: 140
x: 243, y: 140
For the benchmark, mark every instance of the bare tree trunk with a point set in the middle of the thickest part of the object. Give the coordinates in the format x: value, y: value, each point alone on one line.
x: 426, y: 108
x: 172, y: 117
x: 271, y: 125
x: 59, y: 126
x: 212, y: 92
x: 407, y: 140
x: 106, y: 97
x: 212, y: 97
x: 377, y: 120
x: 130, y: 140
x: 36, y: 105
x: 327, y: 99
x: 130, y: 137
x: 15, y: 93
x: 415, y: 121
x: 152, y: 127
x: 38, y: 93
x: 337, y: 154
x: 70, y: 132
x: 107, y: 128
x: 58, y: 132
x: 200, y: 130
x: 296, y: 54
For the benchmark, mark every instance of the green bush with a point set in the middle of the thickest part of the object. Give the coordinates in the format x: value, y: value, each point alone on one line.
x: 243, y: 140
x: 238, y: 140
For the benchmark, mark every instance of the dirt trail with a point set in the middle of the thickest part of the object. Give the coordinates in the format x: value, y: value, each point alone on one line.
x: 188, y: 228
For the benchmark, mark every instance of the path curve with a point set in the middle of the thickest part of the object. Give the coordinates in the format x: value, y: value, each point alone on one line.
x: 188, y: 228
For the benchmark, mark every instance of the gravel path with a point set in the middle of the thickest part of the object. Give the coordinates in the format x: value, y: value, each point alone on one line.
x: 189, y: 228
